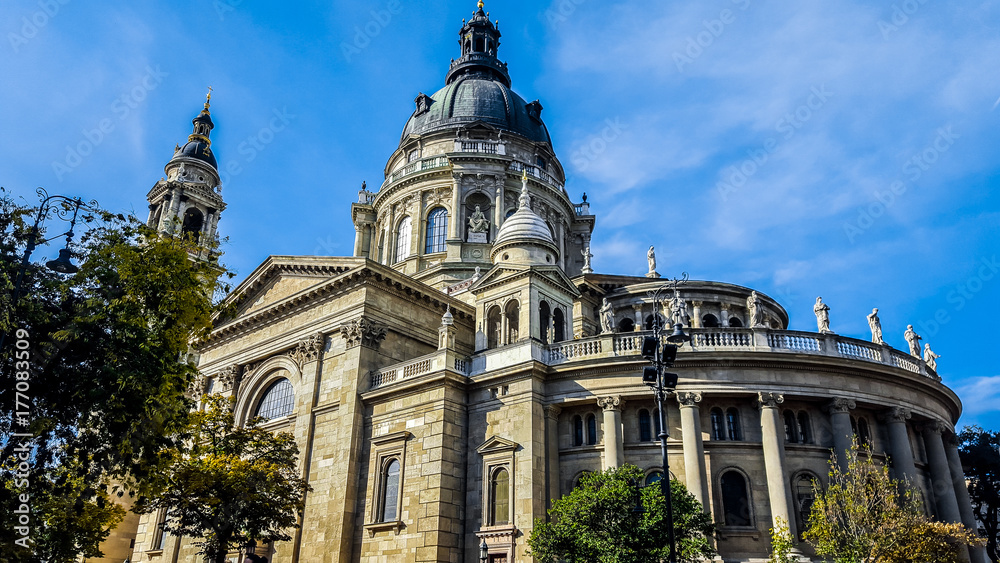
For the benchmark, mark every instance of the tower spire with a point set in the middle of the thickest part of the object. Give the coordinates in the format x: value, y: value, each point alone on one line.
x: 480, y: 41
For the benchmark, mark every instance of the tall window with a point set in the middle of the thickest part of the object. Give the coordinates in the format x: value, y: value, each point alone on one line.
x: 656, y: 424
x: 735, y: 499
x: 493, y: 327
x: 591, y: 429
x: 804, y: 497
x: 733, y: 424
x: 193, y: 220
x: 544, y: 319
x: 805, y: 428
x: 159, y: 536
x: 278, y: 400
x: 437, y: 230
x: 718, y: 428
x: 500, y: 498
x: 864, y: 433
x: 577, y: 430
x: 559, y: 324
x: 403, y: 239
x: 390, y: 491
x: 791, y: 428
x: 512, y: 313
x: 645, y: 429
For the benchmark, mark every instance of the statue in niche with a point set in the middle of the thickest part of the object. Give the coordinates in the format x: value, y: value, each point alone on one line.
x: 875, y: 324
x: 822, y: 311
x: 913, y: 339
x: 756, y: 312
x: 930, y: 358
x: 607, y: 317
x: 478, y: 222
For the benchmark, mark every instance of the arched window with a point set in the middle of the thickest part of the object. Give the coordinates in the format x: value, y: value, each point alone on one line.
x: 854, y: 426
x: 390, y: 490
x: 540, y: 162
x: 791, y: 428
x: 403, y: 239
x: 278, y: 400
x: 735, y: 499
x: 544, y: 319
x: 437, y: 230
x: 591, y: 429
x: 500, y: 498
x: 509, y: 213
x: 651, y: 319
x: 718, y: 426
x: 653, y: 477
x: 559, y: 324
x: 735, y: 322
x: 805, y: 428
x: 645, y: 428
x: 805, y: 494
x: 493, y: 327
x: 733, y: 424
x: 656, y: 424
x: 710, y: 321
x: 626, y: 325
x: 577, y: 430
x: 512, y: 313
x: 193, y: 221
x: 864, y: 433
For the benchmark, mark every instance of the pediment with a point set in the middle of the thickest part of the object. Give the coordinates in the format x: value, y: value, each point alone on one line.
x: 502, y: 273
x: 280, y: 277
x: 496, y: 444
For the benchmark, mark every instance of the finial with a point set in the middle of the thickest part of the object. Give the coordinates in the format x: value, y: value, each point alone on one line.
x: 585, y: 197
x: 524, y: 175
x: 208, y: 98
x: 525, y: 199
x: 480, y: 4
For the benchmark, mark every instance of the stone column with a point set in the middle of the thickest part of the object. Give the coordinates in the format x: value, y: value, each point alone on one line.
x: 899, y: 444
x: 694, y: 448
x: 843, y: 434
x: 696, y: 313
x: 454, y: 228
x: 724, y: 314
x: 773, y: 432
x: 614, y: 452
x: 498, y: 205
x: 943, y: 489
x: 552, y: 452
x: 637, y: 313
x: 976, y: 554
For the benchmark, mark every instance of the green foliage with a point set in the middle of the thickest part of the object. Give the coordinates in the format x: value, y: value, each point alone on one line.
x: 781, y: 543
x: 865, y: 516
x: 106, y: 355
x: 980, y: 452
x: 229, y: 485
x: 596, y: 522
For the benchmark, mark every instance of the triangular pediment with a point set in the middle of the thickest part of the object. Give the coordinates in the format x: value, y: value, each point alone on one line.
x: 280, y: 277
x: 496, y: 444
x: 503, y: 273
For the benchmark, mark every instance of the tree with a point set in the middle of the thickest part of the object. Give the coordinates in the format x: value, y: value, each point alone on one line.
x: 865, y: 516
x: 92, y: 374
x: 229, y: 485
x: 980, y: 453
x: 597, y: 522
x: 781, y: 543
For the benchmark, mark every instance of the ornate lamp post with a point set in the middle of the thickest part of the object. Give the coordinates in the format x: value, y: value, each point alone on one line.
x: 62, y: 264
x: 663, y: 385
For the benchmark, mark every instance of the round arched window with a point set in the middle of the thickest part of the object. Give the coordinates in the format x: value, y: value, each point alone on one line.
x: 278, y: 400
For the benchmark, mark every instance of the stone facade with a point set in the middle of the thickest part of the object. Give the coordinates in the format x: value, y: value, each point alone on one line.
x: 443, y: 391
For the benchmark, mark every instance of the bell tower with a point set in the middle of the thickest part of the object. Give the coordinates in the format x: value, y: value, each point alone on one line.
x: 188, y: 201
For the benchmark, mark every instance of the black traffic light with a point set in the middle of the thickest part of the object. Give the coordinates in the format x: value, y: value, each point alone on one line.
x: 648, y: 347
x: 670, y: 380
x: 649, y: 375
x: 669, y: 354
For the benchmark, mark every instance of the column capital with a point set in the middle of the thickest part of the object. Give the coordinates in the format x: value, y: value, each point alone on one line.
x: 308, y: 349
x: 936, y: 426
x: 769, y: 400
x: 697, y: 303
x: 610, y: 403
x: 688, y: 398
x: 552, y: 411
x: 841, y: 405
x: 896, y: 414
x: 725, y: 307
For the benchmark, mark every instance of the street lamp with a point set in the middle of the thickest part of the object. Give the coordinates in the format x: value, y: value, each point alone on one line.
x: 663, y: 384
x: 62, y: 264
x: 484, y: 551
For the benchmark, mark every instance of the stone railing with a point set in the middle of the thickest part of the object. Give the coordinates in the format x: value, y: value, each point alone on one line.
x: 535, y: 172
x: 739, y: 339
x: 429, y: 163
x: 484, y: 147
x: 435, y: 361
x: 582, y: 209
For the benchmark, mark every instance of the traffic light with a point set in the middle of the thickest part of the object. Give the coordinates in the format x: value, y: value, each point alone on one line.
x: 648, y: 347
x: 670, y: 380
x: 649, y: 375
x: 669, y: 354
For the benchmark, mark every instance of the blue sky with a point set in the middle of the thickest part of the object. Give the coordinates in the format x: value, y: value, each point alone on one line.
x: 844, y: 149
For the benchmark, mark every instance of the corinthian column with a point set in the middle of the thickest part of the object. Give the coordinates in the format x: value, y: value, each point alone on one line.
x: 976, y: 554
x: 944, y: 490
x: 843, y: 434
x: 778, y: 491
x: 899, y: 444
x: 694, y: 448
x: 614, y: 452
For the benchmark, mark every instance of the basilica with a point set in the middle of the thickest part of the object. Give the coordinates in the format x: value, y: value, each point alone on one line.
x: 467, y: 365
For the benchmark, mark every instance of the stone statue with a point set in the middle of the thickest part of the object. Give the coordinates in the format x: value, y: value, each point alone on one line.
x: 822, y: 311
x: 586, y: 260
x: 678, y: 309
x: 930, y: 358
x: 478, y: 222
x: 651, y: 258
x: 876, y: 325
x: 755, y: 311
x: 607, y: 317
x: 913, y: 339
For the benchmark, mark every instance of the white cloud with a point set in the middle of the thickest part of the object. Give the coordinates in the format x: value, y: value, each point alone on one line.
x: 980, y: 395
